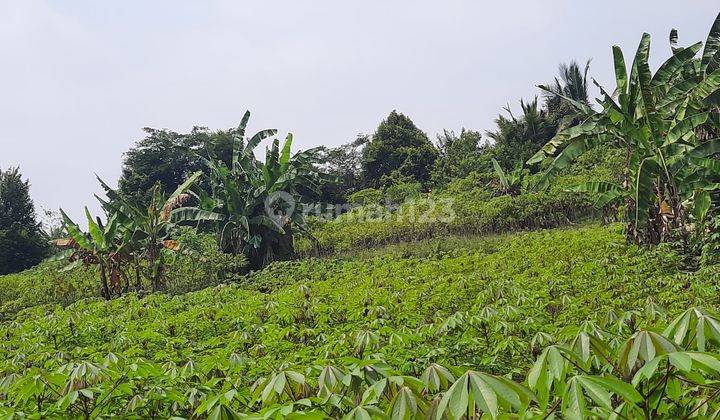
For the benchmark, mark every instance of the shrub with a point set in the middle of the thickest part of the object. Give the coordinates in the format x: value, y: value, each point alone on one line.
x: 397, y: 193
x: 365, y: 197
x: 199, y: 263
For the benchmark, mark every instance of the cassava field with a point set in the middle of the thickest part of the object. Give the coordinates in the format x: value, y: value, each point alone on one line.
x: 387, y: 331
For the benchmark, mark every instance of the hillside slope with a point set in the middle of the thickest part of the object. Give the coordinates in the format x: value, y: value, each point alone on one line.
x: 481, y: 306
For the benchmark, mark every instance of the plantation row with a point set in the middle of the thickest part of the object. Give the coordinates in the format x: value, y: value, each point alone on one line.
x: 476, y: 204
x: 599, y: 373
x: 265, y: 344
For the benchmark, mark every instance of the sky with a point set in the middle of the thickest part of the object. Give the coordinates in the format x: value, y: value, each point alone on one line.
x: 79, y: 80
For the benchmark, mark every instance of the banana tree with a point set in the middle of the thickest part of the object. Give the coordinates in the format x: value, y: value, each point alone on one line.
x: 150, y: 228
x: 103, y: 245
x: 510, y: 182
x: 255, y: 202
x: 670, y: 171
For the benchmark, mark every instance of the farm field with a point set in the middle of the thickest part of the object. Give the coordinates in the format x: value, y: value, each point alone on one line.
x: 482, y: 304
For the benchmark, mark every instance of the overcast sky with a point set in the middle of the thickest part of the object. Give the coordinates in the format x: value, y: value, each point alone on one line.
x: 79, y: 80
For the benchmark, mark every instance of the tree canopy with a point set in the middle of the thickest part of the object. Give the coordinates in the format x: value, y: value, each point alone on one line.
x: 398, y: 145
x: 22, y: 243
x: 169, y: 157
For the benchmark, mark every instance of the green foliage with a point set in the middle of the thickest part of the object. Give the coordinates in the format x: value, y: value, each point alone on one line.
x: 515, y: 139
x: 660, y: 121
x: 402, y: 191
x: 532, y: 324
x: 470, y: 212
x: 195, y: 263
x: 21, y: 249
x: 22, y: 243
x: 344, y: 164
x: 468, y: 206
x: 572, y: 84
x: 46, y: 283
x: 132, y: 237
x: 198, y: 263
x: 437, y: 324
x: 510, y: 182
x: 459, y: 155
x: 169, y: 158
x: 398, y: 145
x: 366, y: 196
x: 256, y: 204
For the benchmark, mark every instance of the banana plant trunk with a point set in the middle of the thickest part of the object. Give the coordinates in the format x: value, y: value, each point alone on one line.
x: 105, y: 290
x: 273, y: 248
x: 156, y: 268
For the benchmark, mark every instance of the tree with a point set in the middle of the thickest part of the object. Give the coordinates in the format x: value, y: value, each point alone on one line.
x: 150, y: 227
x: 22, y: 243
x: 670, y: 171
x: 398, y: 145
x: 257, y: 205
x: 344, y: 165
x: 572, y: 84
x: 459, y: 155
x: 132, y: 234
x: 517, y: 138
x: 169, y: 158
x: 103, y: 245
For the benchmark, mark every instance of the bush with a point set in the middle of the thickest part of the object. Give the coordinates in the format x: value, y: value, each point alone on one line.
x: 397, y: 193
x: 365, y: 197
x: 46, y: 283
x: 471, y: 213
x: 466, y: 206
x: 199, y: 263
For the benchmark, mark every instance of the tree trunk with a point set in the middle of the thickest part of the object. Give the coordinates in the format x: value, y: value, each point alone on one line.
x: 138, y: 284
x: 103, y: 279
x: 156, y: 269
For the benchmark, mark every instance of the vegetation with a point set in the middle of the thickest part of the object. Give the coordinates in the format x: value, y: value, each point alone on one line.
x: 398, y: 148
x: 660, y: 121
x: 459, y: 155
x: 255, y: 202
x: 478, y: 204
x: 131, y: 236
x: 365, y: 326
x: 344, y: 164
x: 22, y: 243
x: 169, y: 158
x: 390, y: 277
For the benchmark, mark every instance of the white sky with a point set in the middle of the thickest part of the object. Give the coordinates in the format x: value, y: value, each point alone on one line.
x: 80, y: 79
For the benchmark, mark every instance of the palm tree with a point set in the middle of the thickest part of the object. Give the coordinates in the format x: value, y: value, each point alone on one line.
x: 572, y: 83
x: 517, y: 138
